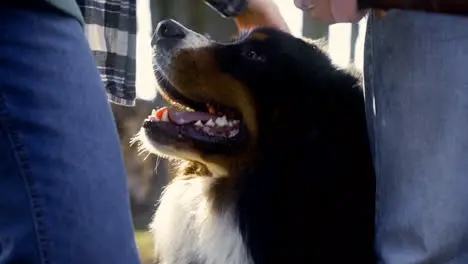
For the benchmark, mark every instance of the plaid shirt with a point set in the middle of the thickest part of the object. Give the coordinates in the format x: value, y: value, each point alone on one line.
x: 111, y: 27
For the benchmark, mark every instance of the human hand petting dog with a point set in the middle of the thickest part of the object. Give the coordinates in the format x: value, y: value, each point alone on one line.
x: 248, y: 13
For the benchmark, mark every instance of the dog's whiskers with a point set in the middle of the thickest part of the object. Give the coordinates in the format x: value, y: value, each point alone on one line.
x: 156, y: 166
x: 137, y: 139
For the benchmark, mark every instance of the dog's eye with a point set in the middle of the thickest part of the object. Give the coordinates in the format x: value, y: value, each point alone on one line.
x: 252, y: 55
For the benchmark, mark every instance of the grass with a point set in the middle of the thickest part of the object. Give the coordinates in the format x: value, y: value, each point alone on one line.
x: 145, y: 246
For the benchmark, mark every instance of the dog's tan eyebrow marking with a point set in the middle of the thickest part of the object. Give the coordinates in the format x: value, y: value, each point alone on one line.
x: 258, y: 36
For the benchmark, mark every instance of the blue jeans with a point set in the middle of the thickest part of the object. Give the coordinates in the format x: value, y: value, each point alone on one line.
x: 416, y: 80
x: 63, y: 196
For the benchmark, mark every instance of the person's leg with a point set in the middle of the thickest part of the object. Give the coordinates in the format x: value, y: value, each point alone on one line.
x: 416, y: 80
x: 63, y: 195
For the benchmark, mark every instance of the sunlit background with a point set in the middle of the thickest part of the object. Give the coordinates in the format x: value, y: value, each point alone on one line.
x: 339, y: 37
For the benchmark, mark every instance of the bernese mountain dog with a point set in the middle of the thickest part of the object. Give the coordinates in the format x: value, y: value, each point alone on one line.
x: 276, y: 164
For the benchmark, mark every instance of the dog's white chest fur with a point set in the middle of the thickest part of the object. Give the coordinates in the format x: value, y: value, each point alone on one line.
x: 187, y: 231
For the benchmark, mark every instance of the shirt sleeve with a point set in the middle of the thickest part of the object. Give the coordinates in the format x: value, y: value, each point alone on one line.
x: 111, y: 28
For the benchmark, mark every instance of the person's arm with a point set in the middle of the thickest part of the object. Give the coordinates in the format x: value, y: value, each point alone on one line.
x: 459, y: 7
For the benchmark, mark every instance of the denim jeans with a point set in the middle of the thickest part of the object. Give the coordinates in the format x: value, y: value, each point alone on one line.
x: 63, y: 194
x: 416, y: 81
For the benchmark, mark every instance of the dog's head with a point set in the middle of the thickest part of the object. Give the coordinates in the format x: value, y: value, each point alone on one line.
x: 239, y: 98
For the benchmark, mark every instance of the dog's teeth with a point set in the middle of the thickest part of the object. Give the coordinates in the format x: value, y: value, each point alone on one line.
x: 154, y: 118
x: 199, y: 123
x: 230, y: 124
x: 235, y: 122
x: 153, y: 112
x: 164, y: 117
x: 210, y: 123
x: 221, y: 121
x: 207, y: 130
x: 234, y: 132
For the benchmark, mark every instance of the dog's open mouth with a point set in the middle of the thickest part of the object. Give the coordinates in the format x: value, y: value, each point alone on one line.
x: 202, y: 125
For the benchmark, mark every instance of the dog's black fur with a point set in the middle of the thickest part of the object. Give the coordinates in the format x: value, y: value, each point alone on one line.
x: 310, y: 197
x: 306, y: 192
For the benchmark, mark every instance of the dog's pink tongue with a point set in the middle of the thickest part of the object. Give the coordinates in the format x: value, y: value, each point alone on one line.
x: 182, y: 118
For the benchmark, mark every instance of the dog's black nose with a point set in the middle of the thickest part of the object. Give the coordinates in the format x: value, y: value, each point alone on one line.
x: 170, y: 29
